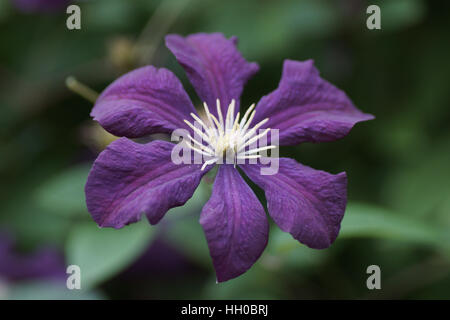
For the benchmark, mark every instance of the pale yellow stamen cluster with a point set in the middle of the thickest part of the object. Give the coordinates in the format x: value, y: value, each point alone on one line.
x: 227, y: 137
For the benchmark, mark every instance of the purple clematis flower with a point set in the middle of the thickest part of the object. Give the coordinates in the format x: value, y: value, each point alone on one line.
x: 29, y: 6
x: 43, y: 263
x: 129, y: 179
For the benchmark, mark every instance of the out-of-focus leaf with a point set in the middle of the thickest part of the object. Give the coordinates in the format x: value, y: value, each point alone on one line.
x: 400, y: 13
x: 5, y: 9
x: 185, y: 231
x: 49, y: 291
x: 274, y: 25
x: 110, y: 15
x: 192, y: 206
x: 102, y: 253
x: 423, y: 188
x: 362, y: 220
x: 32, y: 225
x: 188, y: 235
x: 284, y: 251
x: 251, y: 285
x: 64, y: 193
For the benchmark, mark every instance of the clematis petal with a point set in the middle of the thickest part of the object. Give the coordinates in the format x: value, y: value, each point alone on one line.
x: 235, y: 225
x: 129, y: 179
x: 214, y: 66
x: 45, y: 262
x: 144, y: 101
x: 307, y: 108
x: 307, y: 203
x: 38, y: 6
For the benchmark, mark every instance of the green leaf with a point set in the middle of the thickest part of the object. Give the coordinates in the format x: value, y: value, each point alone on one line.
x: 284, y: 251
x: 20, y: 218
x: 362, y: 220
x: 102, y: 253
x: 112, y: 15
x: 422, y: 188
x: 401, y: 13
x: 253, y: 284
x: 64, y: 193
x: 5, y: 9
x: 193, y: 205
x: 49, y: 290
x: 275, y: 24
x: 185, y: 231
x: 188, y: 235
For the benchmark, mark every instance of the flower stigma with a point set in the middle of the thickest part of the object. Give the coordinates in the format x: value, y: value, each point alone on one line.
x: 227, y: 138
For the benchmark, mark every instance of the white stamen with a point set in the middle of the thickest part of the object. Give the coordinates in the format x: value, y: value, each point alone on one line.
x: 207, y: 163
x: 259, y: 149
x: 253, y: 130
x: 199, y: 151
x: 202, y: 146
x: 227, y: 137
x: 219, y: 112
x: 252, y: 115
x: 198, y: 131
x: 244, y: 118
x: 249, y: 157
x: 199, y: 121
x: 250, y: 141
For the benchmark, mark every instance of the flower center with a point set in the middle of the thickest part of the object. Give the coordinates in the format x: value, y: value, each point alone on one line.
x: 231, y: 138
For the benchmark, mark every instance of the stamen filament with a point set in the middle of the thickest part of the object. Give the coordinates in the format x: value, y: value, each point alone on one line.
x: 197, y: 130
x: 219, y: 112
x: 243, y: 157
x: 253, y: 130
x: 208, y: 162
x: 249, y: 121
x: 236, y: 122
x: 250, y: 141
x: 207, y: 129
x: 230, y: 115
x: 259, y: 149
x: 208, y: 114
x: 227, y: 137
x: 202, y: 146
x: 219, y: 127
x: 244, y: 118
x: 199, y: 151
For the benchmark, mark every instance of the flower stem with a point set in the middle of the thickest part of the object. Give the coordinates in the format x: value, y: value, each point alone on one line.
x: 81, y: 89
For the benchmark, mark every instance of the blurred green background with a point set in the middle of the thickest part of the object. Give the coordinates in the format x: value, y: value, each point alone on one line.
x: 398, y: 216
